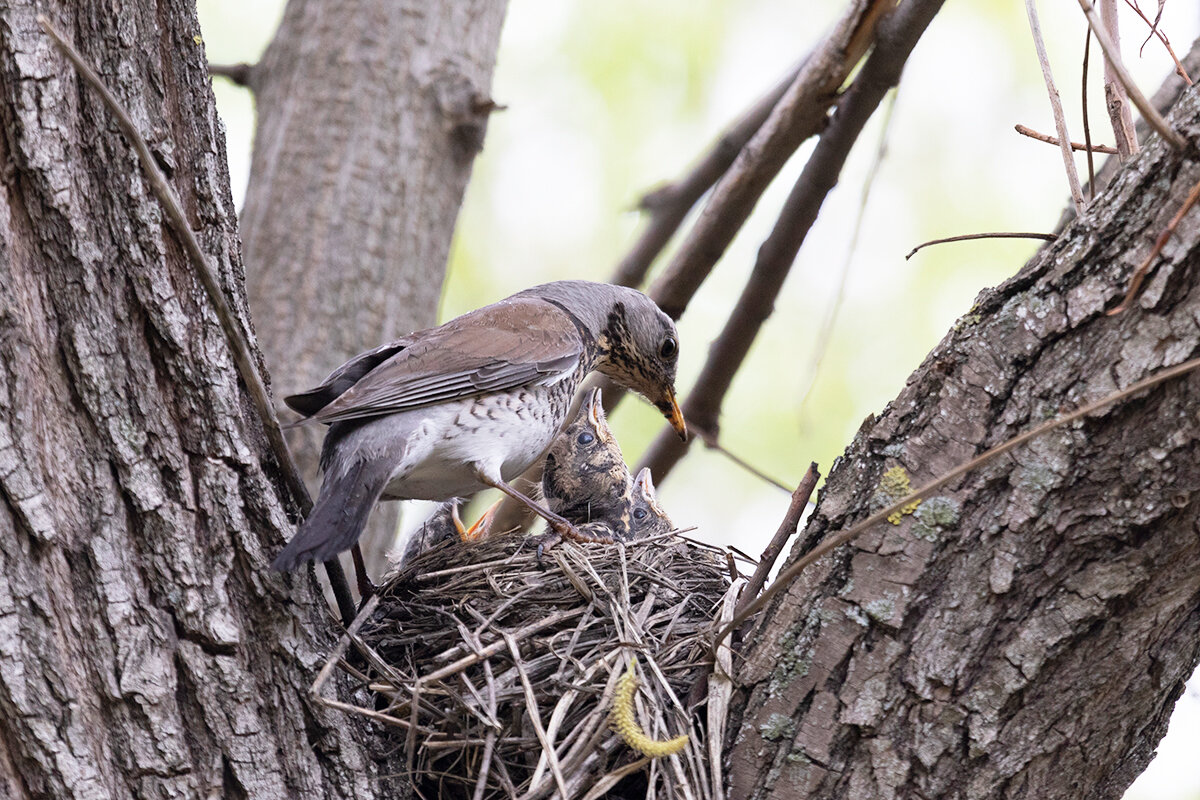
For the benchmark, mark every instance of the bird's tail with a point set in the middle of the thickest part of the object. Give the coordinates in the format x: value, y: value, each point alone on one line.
x: 338, y: 517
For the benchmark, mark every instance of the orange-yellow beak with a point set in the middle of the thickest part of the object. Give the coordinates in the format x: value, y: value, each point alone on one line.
x: 670, y: 409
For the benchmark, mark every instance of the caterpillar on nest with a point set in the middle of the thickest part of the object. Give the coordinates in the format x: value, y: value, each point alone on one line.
x: 625, y: 723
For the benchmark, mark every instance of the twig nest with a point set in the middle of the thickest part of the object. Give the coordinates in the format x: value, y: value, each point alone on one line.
x: 497, y: 674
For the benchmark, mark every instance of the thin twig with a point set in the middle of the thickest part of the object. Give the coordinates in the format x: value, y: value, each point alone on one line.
x: 1025, y: 130
x: 1087, y: 128
x: 786, y: 577
x: 1060, y: 122
x: 787, y: 529
x: 1139, y: 275
x: 711, y: 442
x: 966, y: 237
x: 1162, y: 37
x: 825, y: 333
x: 1113, y: 57
x: 238, y: 343
x: 896, y: 39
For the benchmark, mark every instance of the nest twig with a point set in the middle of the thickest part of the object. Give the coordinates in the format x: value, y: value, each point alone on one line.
x: 497, y: 674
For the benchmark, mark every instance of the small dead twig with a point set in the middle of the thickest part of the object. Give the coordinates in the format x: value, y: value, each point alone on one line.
x: 786, y: 577
x: 1060, y: 122
x: 1162, y: 37
x: 1024, y: 130
x: 240, y: 74
x: 712, y: 442
x: 1139, y: 275
x: 966, y: 237
x: 787, y: 529
x: 1113, y: 57
x: 825, y: 333
x: 238, y: 344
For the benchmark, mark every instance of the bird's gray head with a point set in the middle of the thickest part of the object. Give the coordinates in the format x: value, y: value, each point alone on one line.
x: 637, y: 343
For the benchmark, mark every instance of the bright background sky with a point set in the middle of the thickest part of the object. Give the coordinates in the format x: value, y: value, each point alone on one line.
x: 605, y: 100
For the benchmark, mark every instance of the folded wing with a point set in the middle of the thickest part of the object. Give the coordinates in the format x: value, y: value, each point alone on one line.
x: 515, y: 342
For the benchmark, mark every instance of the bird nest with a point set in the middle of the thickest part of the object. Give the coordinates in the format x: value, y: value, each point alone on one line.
x: 497, y: 674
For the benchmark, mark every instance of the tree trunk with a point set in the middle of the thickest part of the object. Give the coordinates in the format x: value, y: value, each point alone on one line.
x: 146, y: 649
x: 370, y: 113
x: 1026, y: 632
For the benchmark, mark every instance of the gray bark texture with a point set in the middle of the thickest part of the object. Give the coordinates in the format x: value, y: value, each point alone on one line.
x: 1026, y: 632
x: 370, y: 114
x: 145, y: 649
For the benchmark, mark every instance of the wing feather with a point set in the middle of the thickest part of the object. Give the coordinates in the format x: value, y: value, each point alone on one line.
x: 515, y: 342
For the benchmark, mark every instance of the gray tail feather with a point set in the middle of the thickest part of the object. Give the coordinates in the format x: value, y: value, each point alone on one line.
x: 338, y: 517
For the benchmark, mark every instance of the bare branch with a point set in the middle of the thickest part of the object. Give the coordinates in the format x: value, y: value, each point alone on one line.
x: 1087, y: 128
x: 1115, y: 95
x: 1113, y: 57
x: 1025, y: 130
x: 1162, y: 37
x: 797, y: 116
x: 241, y: 74
x: 897, y: 34
x: 787, y: 529
x: 1060, y: 122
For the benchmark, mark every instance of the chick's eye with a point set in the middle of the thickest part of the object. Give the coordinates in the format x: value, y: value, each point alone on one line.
x: 639, y: 513
x: 669, y: 348
x: 585, y: 438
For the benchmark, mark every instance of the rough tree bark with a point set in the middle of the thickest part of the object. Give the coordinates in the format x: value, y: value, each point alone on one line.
x: 370, y: 113
x: 1026, y: 632
x: 145, y: 649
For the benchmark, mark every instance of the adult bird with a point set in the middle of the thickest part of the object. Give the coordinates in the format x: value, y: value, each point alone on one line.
x: 471, y: 404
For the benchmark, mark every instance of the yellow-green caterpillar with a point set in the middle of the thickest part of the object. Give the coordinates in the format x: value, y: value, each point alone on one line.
x: 625, y: 724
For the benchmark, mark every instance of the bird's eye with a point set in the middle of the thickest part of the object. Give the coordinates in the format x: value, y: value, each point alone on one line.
x: 585, y: 438
x: 669, y: 348
x: 639, y: 513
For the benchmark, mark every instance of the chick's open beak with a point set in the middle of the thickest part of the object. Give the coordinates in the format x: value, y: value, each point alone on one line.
x: 670, y: 410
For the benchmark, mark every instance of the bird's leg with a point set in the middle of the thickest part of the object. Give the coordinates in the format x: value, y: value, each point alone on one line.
x: 560, y: 528
x: 365, y: 587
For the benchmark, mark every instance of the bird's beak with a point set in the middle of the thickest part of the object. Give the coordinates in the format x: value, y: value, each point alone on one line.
x: 670, y: 410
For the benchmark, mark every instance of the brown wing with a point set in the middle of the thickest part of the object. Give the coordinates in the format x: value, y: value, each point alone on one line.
x: 511, y: 343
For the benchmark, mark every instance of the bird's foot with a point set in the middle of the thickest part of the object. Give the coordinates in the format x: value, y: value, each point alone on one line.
x: 589, y: 532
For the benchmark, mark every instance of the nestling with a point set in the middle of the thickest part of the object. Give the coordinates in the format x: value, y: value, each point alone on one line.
x: 471, y: 404
x: 585, y: 478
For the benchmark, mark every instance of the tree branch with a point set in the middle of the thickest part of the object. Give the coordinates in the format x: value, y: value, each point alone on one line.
x: 897, y: 35
x: 797, y: 116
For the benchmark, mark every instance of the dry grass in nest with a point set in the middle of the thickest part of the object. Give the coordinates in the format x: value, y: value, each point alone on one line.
x: 497, y: 675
